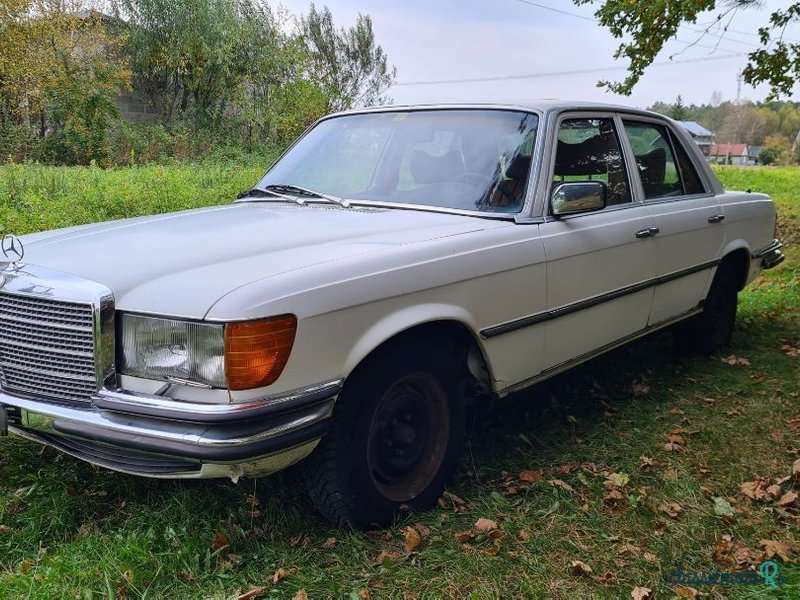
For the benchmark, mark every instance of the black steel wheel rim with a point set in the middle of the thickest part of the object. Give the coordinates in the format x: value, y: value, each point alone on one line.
x: 408, y: 437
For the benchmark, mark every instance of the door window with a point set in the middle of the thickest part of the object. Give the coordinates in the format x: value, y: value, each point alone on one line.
x: 661, y: 174
x: 589, y: 150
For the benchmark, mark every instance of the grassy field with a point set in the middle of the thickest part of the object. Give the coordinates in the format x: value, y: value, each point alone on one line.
x: 601, y: 484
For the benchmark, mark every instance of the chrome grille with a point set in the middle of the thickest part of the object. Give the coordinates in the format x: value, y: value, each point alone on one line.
x: 47, y: 347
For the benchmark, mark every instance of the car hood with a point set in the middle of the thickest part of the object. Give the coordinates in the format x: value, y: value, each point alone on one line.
x: 181, y: 263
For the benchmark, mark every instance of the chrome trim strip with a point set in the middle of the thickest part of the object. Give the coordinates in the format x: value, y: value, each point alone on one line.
x: 134, y: 403
x: 568, y: 309
x: 565, y: 366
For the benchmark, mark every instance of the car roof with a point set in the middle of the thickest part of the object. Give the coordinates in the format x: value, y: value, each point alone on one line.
x: 542, y: 105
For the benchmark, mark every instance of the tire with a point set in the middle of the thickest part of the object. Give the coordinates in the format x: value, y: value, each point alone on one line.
x: 712, y: 329
x: 395, y: 439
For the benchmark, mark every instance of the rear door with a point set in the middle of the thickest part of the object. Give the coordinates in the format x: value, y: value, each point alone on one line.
x: 687, y: 216
x: 600, y: 265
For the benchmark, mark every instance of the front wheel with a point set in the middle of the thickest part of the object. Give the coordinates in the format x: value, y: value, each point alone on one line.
x: 712, y: 329
x: 395, y: 438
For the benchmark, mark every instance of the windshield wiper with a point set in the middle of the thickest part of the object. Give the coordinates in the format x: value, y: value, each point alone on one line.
x: 288, y: 188
x: 259, y: 193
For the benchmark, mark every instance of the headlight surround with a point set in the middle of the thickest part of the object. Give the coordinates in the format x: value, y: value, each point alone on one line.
x: 240, y: 355
x: 161, y: 348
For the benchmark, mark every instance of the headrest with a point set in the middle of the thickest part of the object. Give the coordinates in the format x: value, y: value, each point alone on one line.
x: 588, y: 157
x: 519, y: 167
x: 653, y: 166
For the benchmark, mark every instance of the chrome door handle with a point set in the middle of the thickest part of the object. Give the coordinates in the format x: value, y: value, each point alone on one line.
x: 716, y: 218
x: 646, y: 233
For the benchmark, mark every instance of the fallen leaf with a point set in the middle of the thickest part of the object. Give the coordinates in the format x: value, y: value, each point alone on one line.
x: 673, y: 509
x: 796, y: 469
x: 734, y: 360
x: 640, y: 389
x: 278, y: 575
x: 524, y: 535
x: 607, y: 578
x: 220, y: 541
x: 5, y: 529
x: 722, y: 507
x: 673, y: 447
x: 670, y: 474
x: 365, y: 594
x: 254, y: 592
x: 386, y: 555
x: 619, y: 479
x: 642, y: 593
x: 774, y: 490
x: 676, y: 411
x: 412, y: 538
x: 577, y: 567
x: 774, y: 547
x: 485, y: 525
x: 754, y: 489
x: 615, y: 497
x: 186, y: 577
x: 530, y: 476
x: 568, y: 468
x: 788, y: 499
x: 26, y: 566
x: 423, y: 530
x: 647, y: 462
x: 684, y: 591
x: 563, y: 485
x: 301, y: 595
x: 329, y: 543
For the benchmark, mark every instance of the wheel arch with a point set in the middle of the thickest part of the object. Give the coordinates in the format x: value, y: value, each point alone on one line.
x: 414, y: 323
x: 737, y: 257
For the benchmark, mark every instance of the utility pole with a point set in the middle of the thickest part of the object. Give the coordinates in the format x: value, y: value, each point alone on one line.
x: 738, y: 88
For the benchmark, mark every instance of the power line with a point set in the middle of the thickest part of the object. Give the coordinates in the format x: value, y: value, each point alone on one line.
x: 561, y: 73
x: 594, y: 20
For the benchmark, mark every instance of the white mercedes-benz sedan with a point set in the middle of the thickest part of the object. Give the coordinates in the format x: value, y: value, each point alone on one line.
x: 394, y: 266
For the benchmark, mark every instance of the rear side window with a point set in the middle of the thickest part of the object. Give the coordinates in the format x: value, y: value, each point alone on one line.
x: 662, y: 173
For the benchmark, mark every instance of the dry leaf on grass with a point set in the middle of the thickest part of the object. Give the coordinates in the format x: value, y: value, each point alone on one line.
x: 618, y: 479
x: 524, y: 535
x: 530, y: 476
x: 642, y: 593
x: 684, y: 591
x: 673, y: 447
x: 365, y: 594
x: 563, y: 485
x: 673, y: 509
x: 412, y: 539
x: 755, y: 490
x: 278, y: 575
x: 776, y: 548
x: 774, y: 490
x: 670, y: 474
x: 329, y: 543
x: 577, y: 567
x: 788, y: 499
x: 734, y: 360
x: 254, y: 592
x: 796, y: 469
x: 485, y: 525
x: 301, y: 595
x: 640, y: 389
x: 186, y: 577
x: 607, y: 578
x: 615, y: 497
x: 220, y: 541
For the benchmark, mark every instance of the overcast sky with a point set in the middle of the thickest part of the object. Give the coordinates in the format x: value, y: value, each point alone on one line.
x: 435, y: 40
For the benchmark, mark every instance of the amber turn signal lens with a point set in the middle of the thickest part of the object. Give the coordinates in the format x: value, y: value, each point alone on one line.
x: 256, y: 351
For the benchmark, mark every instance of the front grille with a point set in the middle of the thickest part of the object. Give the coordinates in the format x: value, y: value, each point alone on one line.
x: 47, y: 347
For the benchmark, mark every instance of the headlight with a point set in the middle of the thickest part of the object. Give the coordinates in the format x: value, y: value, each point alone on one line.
x: 238, y: 356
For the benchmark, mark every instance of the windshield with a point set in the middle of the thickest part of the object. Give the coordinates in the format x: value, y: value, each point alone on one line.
x: 461, y: 159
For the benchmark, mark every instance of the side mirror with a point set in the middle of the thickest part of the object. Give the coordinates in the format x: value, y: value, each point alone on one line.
x: 576, y: 197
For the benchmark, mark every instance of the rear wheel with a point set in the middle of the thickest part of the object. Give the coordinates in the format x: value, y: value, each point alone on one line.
x: 712, y: 329
x: 395, y: 438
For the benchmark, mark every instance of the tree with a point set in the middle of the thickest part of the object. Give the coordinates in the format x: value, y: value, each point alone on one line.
x: 777, y: 149
x: 678, y: 110
x: 350, y: 67
x: 647, y: 26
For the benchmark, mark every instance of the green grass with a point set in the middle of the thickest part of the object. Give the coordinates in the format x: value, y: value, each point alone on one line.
x: 70, y: 530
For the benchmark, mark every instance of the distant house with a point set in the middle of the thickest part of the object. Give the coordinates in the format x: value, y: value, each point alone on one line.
x: 701, y: 136
x: 734, y: 154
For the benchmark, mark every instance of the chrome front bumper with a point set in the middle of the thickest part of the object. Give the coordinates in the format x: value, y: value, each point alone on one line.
x: 156, y: 436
